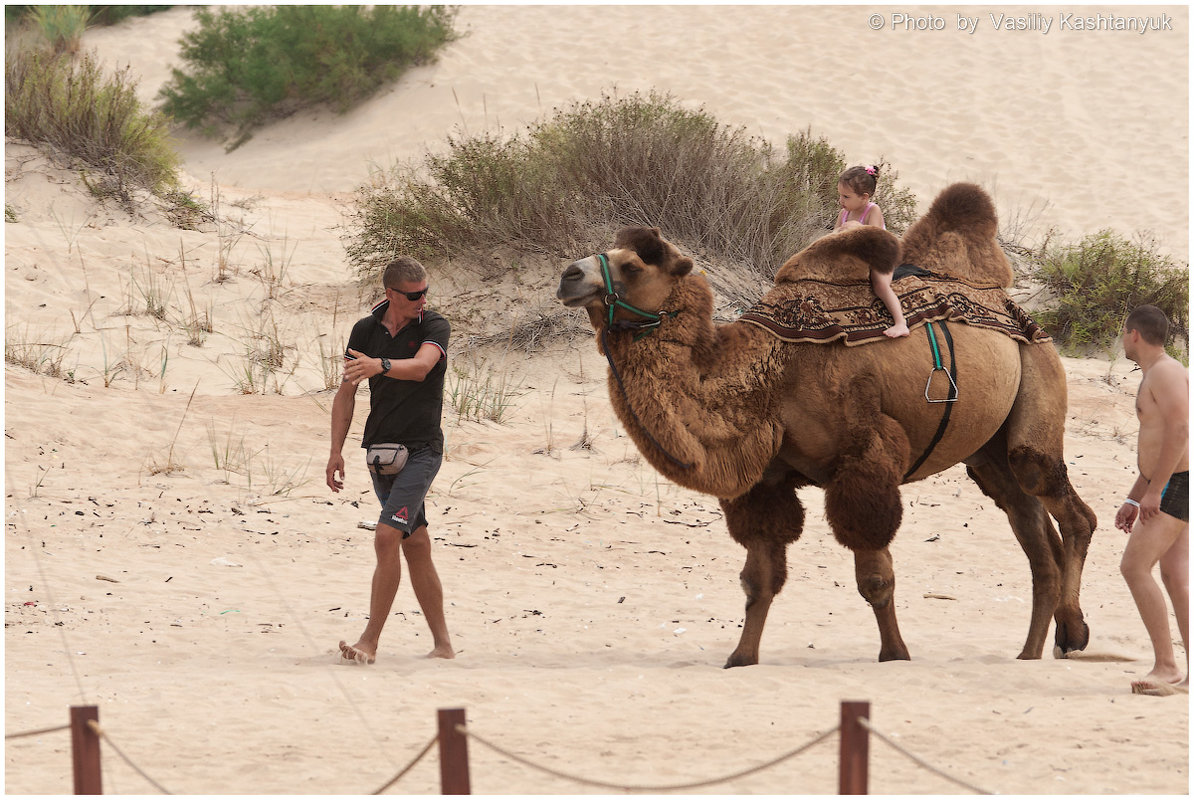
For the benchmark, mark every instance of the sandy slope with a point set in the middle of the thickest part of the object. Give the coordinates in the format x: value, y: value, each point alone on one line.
x: 178, y: 562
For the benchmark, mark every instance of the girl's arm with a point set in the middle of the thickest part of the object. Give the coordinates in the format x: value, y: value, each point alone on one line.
x: 873, y: 217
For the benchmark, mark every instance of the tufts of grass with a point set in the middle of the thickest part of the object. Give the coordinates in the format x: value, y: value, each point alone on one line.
x: 482, y: 394
x: 169, y: 464
x: 244, y: 67
x: 228, y: 452
x: 596, y: 166
x: 1097, y: 281
x: 41, y: 357
x: 92, y: 118
x: 62, y: 27
x: 98, y: 15
x: 262, y: 365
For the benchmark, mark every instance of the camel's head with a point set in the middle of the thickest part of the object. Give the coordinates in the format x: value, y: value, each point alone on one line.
x: 631, y: 282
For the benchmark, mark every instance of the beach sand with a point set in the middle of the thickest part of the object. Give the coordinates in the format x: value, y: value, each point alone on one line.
x: 173, y: 556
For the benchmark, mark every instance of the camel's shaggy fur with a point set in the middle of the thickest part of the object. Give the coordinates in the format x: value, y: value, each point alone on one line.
x: 957, y: 237
x: 732, y: 411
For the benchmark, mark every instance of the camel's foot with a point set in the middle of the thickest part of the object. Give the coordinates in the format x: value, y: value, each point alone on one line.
x: 1070, y: 639
x: 894, y: 654
x: 738, y: 659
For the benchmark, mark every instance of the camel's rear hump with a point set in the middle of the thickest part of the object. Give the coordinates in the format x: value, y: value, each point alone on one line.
x: 958, y: 238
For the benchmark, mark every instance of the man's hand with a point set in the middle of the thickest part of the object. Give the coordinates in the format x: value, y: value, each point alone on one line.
x: 360, y: 367
x: 1150, y: 504
x: 335, y: 465
x: 1125, y: 518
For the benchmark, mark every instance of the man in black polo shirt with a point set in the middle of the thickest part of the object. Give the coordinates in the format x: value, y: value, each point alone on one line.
x: 402, y: 348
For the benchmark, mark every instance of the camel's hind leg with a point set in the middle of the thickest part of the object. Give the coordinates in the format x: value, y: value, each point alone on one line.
x: 1023, y: 469
x: 1035, y: 533
x: 764, y: 521
x: 1035, y: 433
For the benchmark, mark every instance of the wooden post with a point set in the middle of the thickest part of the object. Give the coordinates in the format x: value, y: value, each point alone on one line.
x: 453, y: 753
x: 85, y: 750
x: 855, y: 742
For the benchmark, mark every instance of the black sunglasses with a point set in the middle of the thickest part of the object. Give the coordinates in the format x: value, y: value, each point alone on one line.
x: 411, y: 296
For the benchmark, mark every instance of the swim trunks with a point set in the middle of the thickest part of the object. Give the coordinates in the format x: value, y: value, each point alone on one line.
x: 1175, y: 499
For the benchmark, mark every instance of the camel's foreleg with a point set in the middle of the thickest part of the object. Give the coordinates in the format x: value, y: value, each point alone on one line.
x: 764, y: 521
x: 862, y: 499
x: 876, y: 583
x: 862, y: 504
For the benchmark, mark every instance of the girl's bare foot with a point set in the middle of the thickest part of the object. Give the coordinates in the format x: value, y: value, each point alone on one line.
x: 442, y: 651
x: 896, y: 331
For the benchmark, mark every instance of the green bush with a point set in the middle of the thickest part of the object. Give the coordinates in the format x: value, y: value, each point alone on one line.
x: 99, y: 15
x: 643, y: 159
x: 96, y: 120
x: 61, y: 26
x: 1096, y: 282
x: 247, y: 66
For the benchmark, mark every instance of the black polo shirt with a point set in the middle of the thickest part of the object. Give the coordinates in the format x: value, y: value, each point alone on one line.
x: 407, y: 412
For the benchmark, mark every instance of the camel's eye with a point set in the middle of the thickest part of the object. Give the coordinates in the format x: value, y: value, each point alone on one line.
x: 630, y: 269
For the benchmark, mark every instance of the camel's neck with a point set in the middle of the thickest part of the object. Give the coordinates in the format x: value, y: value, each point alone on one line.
x: 703, y: 394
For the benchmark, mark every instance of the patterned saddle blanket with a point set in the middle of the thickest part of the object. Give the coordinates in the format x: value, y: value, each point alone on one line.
x: 811, y: 310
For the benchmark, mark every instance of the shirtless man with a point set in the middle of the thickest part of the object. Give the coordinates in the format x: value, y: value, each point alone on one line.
x: 1156, y: 513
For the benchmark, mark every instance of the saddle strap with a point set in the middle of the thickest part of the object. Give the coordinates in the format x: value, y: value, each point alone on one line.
x: 953, y: 376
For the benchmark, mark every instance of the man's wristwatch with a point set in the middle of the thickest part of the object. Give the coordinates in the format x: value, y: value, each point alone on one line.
x: 385, y: 366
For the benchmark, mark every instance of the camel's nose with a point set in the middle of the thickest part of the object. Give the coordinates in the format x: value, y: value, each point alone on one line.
x: 573, y: 274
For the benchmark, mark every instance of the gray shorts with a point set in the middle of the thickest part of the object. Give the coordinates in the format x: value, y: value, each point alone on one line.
x: 402, y: 495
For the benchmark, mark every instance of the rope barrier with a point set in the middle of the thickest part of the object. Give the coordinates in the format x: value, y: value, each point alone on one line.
x: 37, y: 732
x: 426, y: 749
x: 632, y: 788
x: 920, y: 761
x: 462, y: 729
x: 98, y: 731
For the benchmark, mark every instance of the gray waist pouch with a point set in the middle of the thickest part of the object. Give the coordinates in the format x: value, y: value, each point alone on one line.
x: 386, y: 459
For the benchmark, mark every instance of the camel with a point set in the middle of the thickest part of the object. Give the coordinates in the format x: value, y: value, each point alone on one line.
x: 733, y: 411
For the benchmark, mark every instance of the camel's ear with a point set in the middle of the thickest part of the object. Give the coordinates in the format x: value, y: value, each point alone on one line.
x: 680, y: 266
x: 849, y: 255
x: 645, y: 241
x: 653, y: 249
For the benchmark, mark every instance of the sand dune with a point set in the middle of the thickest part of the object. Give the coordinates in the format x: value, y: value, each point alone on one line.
x: 173, y: 556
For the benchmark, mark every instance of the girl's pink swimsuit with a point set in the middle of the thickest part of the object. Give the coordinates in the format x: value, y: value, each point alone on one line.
x: 865, y: 211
